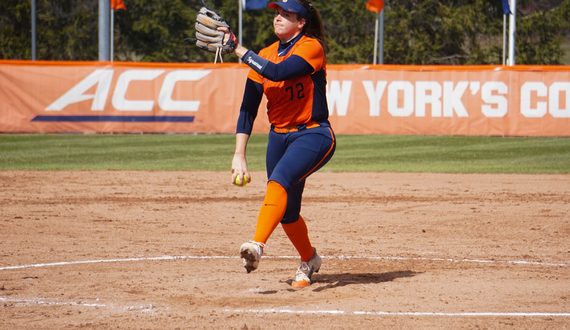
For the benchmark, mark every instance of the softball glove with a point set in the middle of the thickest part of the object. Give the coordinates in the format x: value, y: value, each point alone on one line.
x: 208, y: 36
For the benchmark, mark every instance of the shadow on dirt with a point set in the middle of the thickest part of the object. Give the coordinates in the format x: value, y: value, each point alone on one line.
x: 339, y: 280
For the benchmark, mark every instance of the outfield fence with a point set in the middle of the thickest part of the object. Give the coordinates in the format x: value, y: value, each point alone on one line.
x: 123, y: 97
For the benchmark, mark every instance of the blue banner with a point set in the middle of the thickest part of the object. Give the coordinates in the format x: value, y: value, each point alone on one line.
x: 506, y: 8
x: 255, y: 4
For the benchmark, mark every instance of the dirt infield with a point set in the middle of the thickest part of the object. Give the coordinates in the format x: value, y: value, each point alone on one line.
x: 158, y: 250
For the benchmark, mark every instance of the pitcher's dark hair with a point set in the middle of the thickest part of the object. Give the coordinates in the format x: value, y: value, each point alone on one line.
x: 313, y: 23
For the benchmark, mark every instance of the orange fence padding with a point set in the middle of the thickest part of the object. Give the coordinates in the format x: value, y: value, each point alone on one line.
x: 123, y: 97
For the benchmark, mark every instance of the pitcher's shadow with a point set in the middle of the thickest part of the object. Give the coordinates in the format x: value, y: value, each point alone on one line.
x: 339, y: 280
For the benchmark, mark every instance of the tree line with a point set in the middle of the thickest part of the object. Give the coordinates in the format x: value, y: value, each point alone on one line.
x: 417, y: 32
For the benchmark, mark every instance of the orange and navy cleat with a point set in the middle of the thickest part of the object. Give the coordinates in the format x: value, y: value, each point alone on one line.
x: 305, y: 271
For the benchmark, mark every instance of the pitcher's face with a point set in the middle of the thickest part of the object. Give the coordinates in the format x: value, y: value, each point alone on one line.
x: 286, y: 25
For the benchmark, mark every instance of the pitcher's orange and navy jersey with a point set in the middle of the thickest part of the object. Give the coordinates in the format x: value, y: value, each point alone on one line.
x: 294, y: 97
x: 291, y: 102
x: 292, y: 75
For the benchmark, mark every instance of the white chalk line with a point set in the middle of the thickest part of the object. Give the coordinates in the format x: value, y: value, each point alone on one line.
x: 150, y: 308
x: 20, y: 302
x: 66, y: 263
x: 339, y: 312
x: 167, y: 257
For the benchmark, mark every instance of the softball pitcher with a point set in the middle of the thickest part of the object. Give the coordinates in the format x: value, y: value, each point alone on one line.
x: 292, y: 75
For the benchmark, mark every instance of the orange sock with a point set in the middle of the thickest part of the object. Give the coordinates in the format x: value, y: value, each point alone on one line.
x: 271, y: 212
x: 299, y: 236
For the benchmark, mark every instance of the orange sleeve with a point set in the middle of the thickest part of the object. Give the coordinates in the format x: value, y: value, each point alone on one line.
x: 255, y: 76
x: 312, y: 51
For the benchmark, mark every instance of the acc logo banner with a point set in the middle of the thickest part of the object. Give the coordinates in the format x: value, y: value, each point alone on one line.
x: 71, y: 97
x: 102, y: 78
x: 205, y: 98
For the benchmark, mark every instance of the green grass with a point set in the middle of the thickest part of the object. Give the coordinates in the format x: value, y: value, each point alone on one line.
x: 370, y: 153
x: 452, y: 154
x: 120, y: 152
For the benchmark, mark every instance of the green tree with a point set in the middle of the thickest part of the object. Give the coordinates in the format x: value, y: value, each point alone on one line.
x: 15, y: 27
x: 65, y: 30
x: 154, y: 31
x: 350, y: 31
x: 540, y: 35
x: 440, y: 32
x: 416, y: 31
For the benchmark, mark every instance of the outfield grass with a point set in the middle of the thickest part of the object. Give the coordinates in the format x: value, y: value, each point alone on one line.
x: 452, y: 154
x: 370, y: 153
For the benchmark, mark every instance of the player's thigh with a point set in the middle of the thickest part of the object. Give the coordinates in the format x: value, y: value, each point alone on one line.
x: 276, y: 147
x: 304, y: 155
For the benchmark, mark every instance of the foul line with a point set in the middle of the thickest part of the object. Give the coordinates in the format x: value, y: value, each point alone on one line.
x: 338, y: 312
x: 166, y: 257
x: 49, y: 302
x: 150, y: 308
x: 516, y: 262
x: 65, y: 263
x: 28, y: 302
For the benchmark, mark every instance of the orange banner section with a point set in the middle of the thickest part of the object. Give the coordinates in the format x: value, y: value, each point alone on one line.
x: 205, y: 98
